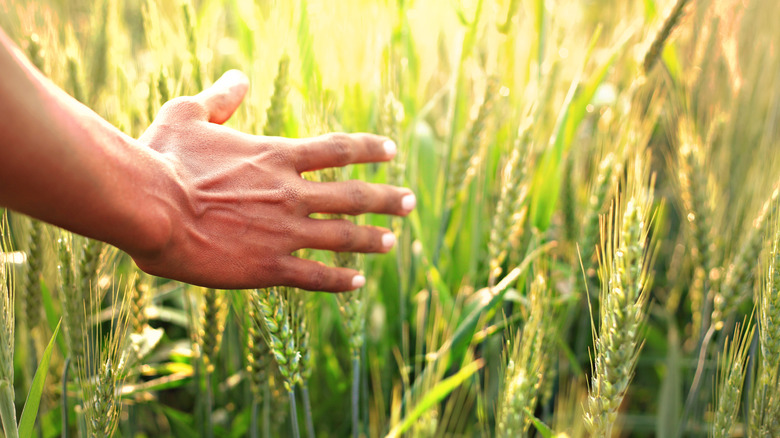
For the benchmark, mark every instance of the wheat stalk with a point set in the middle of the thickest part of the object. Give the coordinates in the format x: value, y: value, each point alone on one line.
x: 352, y: 307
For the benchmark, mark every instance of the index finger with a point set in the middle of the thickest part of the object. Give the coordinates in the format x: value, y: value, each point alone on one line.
x: 338, y: 149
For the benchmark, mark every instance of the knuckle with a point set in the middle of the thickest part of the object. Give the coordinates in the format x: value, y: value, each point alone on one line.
x: 358, y: 197
x: 183, y: 107
x: 275, y: 153
x: 318, y: 277
x: 346, y: 236
x: 340, y: 146
x: 291, y: 196
x: 269, y: 266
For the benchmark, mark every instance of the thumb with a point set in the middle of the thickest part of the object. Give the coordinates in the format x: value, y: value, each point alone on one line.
x: 223, y: 98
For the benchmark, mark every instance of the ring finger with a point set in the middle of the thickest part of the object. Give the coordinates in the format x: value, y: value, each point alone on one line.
x: 341, y: 235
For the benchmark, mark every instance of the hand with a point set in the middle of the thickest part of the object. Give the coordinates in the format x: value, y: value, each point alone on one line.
x: 240, y: 206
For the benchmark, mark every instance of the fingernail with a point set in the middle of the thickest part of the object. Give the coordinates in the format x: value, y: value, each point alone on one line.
x: 388, y: 240
x: 390, y: 148
x: 358, y: 281
x: 408, y: 202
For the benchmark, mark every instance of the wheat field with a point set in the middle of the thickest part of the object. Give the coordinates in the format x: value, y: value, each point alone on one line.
x: 595, y: 249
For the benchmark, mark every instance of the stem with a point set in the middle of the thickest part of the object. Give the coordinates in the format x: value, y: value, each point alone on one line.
x: 355, y: 395
x: 266, y: 411
x: 32, y: 358
x: 401, y: 302
x: 81, y: 421
x: 253, y: 429
x: 293, y: 414
x: 696, y: 384
x: 208, y: 406
x: 32, y: 362
x: 307, y: 411
x: 131, y: 420
x: 8, y: 410
x: 445, y: 223
x: 65, y: 370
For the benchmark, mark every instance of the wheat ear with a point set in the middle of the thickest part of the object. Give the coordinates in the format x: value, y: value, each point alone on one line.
x: 7, y: 407
x: 599, y: 191
x: 101, y: 370
x: 510, y: 211
x: 32, y: 307
x: 527, y: 364
x: 765, y: 412
x: 467, y: 157
x: 192, y: 43
x: 212, y: 325
x: 624, y: 272
x: 654, y: 52
x: 732, y: 371
x: 275, y: 114
x: 738, y: 275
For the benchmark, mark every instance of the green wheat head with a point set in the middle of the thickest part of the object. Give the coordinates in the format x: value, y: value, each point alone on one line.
x: 7, y: 300
x: 212, y: 325
x: 102, y: 368
x: 732, y: 370
x: 510, y: 210
x: 625, y: 277
x: 274, y: 310
x: 765, y: 412
x: 527, y: 365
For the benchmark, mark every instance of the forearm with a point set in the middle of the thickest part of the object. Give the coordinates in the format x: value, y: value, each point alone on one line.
x: 62, y: 163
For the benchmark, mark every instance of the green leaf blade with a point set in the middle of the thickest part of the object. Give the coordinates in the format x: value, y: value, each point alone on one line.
x: 30, y: 410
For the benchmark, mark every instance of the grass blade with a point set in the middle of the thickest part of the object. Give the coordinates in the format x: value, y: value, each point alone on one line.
x: 30, y: 410
x: 436, y: 395
x: 543, y: 429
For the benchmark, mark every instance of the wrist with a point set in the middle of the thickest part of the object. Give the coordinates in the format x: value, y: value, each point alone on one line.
x: 157, y: 203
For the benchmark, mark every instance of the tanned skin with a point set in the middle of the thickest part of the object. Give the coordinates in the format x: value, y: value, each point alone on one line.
x: 190, y: 200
